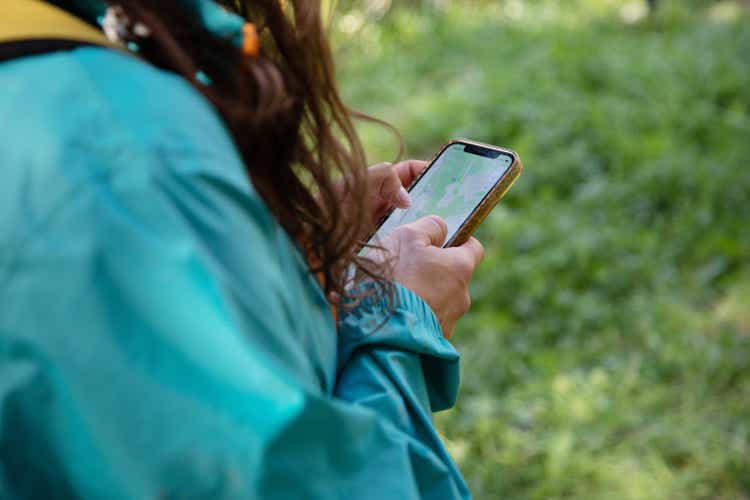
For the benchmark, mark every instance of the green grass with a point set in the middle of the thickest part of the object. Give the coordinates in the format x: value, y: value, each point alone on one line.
x: 607, y: 353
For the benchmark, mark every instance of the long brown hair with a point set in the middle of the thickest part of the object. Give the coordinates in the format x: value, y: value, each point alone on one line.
x: 285, y: 114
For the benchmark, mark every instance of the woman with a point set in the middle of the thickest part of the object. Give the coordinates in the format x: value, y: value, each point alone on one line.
x: 175, y: 246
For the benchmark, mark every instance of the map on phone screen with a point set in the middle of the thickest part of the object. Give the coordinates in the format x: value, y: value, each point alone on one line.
x: 452, y: 188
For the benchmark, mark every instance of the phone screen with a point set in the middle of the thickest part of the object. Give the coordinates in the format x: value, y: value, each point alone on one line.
x: 452, y: 187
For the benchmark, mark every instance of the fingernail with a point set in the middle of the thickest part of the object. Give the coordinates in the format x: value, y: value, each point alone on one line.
x: 402, y: 198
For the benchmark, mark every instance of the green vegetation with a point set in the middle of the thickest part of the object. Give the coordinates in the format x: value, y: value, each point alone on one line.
x: 607, y: 353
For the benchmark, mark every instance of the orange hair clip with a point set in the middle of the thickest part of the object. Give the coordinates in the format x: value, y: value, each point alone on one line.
x: 250, y: 40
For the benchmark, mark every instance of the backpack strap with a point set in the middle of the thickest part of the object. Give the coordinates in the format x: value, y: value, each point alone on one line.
x: 30, y: 27
x: 21, y: 48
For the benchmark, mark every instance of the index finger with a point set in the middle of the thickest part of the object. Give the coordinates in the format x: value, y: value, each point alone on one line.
x: 409, y: 170
x: 376, y: 174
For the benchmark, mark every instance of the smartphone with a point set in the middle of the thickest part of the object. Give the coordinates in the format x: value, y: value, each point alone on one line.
x: 462, y: 184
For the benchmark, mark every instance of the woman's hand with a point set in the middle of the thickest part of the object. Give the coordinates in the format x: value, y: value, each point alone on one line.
x: 440, y: 276
x: 386, y: 189
x: 387, y: 186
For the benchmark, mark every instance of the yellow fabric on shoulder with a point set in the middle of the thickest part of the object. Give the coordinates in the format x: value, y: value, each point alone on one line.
x: 35, y: 20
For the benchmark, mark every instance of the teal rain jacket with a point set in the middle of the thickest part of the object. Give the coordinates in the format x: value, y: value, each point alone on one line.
x: 160, y: 334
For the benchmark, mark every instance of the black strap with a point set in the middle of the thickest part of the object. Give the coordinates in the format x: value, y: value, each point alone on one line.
x: 22, y: 48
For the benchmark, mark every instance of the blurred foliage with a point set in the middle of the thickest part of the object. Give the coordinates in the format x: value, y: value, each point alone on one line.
x: 607, y: 353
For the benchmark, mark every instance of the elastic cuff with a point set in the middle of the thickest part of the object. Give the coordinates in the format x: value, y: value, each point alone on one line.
x: 407, y: 300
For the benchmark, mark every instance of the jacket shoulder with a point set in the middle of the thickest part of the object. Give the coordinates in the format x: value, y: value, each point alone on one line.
x: 102, y: 99
x: 92, y: 116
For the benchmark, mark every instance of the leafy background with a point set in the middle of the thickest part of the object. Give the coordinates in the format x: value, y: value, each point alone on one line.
x: 607, y: 352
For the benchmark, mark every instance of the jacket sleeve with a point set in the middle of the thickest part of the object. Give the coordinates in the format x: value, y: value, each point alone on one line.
x: 394, y: 369
x: 137, y: 355
x: 394, y: 360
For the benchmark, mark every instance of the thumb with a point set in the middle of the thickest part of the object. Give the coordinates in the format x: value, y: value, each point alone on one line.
x: 431, y: 230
